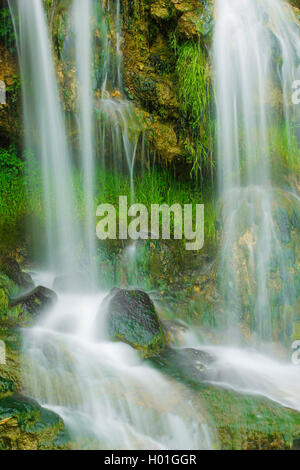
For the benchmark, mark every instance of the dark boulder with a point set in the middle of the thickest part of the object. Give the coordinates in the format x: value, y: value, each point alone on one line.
x: 36, y: 301
x: 132, y: 319
x: 186, y: 364
x: 11, y: 269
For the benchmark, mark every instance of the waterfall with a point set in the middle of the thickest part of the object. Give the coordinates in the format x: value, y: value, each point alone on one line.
x: 82, y: 24
x: 45, y: 133
x: 107, y: 397
x: 250, y: 38
x: 120, y: 133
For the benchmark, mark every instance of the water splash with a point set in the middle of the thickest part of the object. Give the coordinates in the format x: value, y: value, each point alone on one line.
x: 108, y: 398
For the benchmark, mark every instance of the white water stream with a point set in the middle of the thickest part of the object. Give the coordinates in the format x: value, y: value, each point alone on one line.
x: 107, y: 396
x: 256, y: 50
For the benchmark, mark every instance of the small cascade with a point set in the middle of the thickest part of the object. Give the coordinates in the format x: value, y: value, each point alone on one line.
x: 46, y: 136
x: 120, y: 135
x: 107, y: 397
x: 82, y: 15
x: 256, y: 49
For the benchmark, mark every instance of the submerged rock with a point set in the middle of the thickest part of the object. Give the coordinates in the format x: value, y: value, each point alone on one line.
x: 36, y: 301
x: 132, y: 319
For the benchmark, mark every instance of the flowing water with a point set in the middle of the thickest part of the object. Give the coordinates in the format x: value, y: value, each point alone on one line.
x: 106, y: 395
x: 45, y: 134
x: 108, y: 398
x: 82, y: 15
x: 120, y: 134
x: 256, y: 49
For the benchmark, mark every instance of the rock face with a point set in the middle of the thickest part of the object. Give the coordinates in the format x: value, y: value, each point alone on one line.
x: 154, y: 33
x: 132, y: 319
x: 282, y: 279
x: 36, y: 301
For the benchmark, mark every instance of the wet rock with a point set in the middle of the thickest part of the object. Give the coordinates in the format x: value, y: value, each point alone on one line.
x: 36, y: 301
x: 174, y: 332
x: 11, y: 269
x: 132, y: 319
x: 162, y: 10
x: 164, y: 139
x: 187, y: 364
x: 197, y: 22
x: 185, y: 5
x: 25, y: 425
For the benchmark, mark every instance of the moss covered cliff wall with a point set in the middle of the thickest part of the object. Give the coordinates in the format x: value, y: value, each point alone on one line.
x: 167, y: 72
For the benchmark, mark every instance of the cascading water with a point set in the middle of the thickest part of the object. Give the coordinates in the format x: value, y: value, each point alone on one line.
x: 45, y: 133
x: 82, y: 20
x: 108, y: 398
x: 120, y: 132
x: 250, y: 36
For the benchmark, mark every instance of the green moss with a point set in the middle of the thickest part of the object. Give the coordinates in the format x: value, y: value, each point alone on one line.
x: 7, y: 35
x: 194, y: 92
x: 25, y: 425
x: 249, y: 422
x: 133, y: 320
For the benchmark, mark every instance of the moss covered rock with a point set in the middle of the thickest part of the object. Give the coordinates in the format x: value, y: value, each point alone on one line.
x: 132, y: 319
x: 36, y: 301
x: 25, y: 425
x: 248, y: 422
x: 11, y: 269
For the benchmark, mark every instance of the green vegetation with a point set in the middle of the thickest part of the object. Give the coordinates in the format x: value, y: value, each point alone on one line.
x: 21, y: 193
x: 250, y: 423
x: 157, y: 186
x: 194, y: 90
x: 7, y: 34
x: 16, y: 200
x: 284, y: 153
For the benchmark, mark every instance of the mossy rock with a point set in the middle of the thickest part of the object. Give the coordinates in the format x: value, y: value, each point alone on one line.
x: 132, y: 319
x: 10, y: 372
x: 162, y: 10
x: 187, y: 363
x: 198, y: 22
x: 25, y: 425
x: 250, y: 422
x: 11, y: 269
x: 36, y: 301
x: 242, y: 422
x: 6, y: 386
